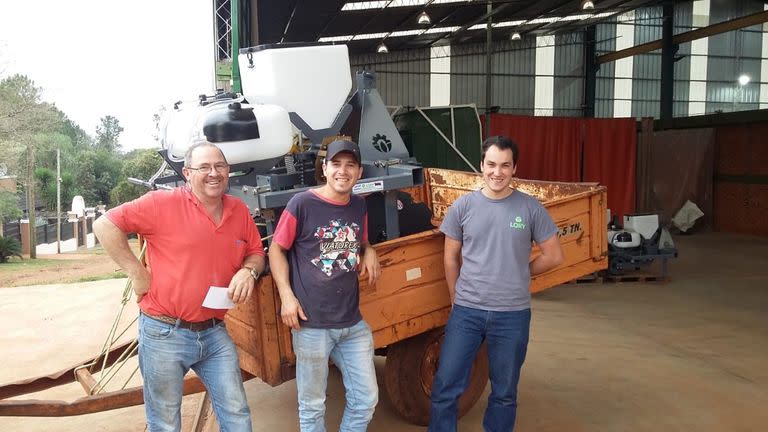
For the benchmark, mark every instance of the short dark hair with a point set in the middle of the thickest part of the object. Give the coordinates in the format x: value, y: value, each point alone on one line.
x: 503, y: 143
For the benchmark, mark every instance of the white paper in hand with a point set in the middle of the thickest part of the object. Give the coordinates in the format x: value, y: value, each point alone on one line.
x: 217, y: 298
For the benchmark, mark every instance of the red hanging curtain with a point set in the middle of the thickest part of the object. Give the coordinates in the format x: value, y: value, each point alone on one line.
x: 551, y: 149
x: 610, y: 154
x: 549, y: 146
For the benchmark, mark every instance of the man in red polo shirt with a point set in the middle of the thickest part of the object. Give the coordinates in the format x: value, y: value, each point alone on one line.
x: 198, y: 238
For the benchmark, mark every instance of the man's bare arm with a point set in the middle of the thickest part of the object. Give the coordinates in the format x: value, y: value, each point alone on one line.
x: 452, y: 264
x: 551, y: 256
x: 115, y: 243
x: 370, y: 266
x: 291, y: 310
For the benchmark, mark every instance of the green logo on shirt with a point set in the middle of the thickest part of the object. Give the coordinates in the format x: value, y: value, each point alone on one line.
x: 517, y: 224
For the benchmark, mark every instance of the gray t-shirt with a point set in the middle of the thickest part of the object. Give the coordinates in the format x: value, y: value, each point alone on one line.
x: 496, y: 240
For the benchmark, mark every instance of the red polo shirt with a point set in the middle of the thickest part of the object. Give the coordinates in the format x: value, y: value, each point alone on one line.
x: 187, y: 252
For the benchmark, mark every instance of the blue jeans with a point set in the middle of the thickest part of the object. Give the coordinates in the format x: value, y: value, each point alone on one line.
x: 167, y: 352
x: 506, y: 335
x: 351, y: 350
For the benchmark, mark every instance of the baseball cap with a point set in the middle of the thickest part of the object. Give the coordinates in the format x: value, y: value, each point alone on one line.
x: 339, y: 146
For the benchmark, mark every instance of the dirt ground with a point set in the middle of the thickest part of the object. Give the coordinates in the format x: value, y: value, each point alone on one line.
x: 81, y: 265
x: 73, y: 267
x: 686, y: 355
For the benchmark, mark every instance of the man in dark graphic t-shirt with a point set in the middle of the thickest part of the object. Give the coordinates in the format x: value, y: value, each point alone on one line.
x: 319, y: 246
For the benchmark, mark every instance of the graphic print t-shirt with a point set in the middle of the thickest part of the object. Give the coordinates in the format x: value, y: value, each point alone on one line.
x: 324, y: 242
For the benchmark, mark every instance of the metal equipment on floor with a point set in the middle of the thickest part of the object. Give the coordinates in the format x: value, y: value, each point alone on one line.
x: 637, y: 244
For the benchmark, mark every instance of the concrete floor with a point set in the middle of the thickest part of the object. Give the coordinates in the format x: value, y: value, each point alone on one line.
x: 688, y: 355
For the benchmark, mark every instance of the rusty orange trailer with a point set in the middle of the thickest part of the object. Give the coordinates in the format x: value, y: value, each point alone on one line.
x: 409, y: 305
x: 407, y: 308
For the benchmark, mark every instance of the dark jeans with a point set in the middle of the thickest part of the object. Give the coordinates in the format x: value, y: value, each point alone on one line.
x: 506, y: 335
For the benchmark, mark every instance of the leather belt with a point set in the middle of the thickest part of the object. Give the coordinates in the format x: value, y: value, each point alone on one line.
x: 194, y: 326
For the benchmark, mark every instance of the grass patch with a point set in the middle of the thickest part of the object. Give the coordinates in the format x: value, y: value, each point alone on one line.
x: 113, y: 275
x: 83, y: 265
x: 16, y: 264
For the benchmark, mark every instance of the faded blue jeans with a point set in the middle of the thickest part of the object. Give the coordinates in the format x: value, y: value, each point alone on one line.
x: 506, y: 336
x: 351, y: 350
x: 167, y: 352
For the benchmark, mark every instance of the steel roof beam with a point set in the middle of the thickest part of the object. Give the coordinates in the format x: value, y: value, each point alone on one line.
x: 723, y: 27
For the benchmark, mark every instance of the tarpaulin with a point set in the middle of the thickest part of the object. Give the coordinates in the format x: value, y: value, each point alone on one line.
x: 675, y: 166
x: 610, y: 154
x: 576, y: 149
x: 549, y: 146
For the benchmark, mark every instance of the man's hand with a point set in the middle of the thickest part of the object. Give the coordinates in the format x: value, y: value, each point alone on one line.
x: 140, y: 282
x: 241, y: 286
x: 371, y: 266
x: 291, y: 311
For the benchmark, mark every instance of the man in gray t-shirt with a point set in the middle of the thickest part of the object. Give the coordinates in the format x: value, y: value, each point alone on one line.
x: 488, y: 235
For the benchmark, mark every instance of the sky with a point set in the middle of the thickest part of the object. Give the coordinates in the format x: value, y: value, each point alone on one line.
x: 124, y: 58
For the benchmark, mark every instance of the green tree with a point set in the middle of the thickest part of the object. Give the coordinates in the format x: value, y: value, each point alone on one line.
x: 46, y: 187
x: 140, y: 164
x: 98, y: 172
x: 72, y: 148
x: 9, y: 207
x: 45, y: 177
x: 45, y: 172
x: 67, y: 190
x: 24, y: 122
x: 108, y: 134
x: 78, y: 137
x: 9, y: 247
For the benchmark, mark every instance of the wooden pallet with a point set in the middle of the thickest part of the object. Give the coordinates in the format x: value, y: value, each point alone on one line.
x: 635, y: 277
x: 590, y: 278
x: 604, y: 277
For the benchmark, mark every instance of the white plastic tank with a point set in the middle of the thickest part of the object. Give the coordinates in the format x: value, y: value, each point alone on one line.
x: 183, y: 127
x: 312, y: 81
x: 177, y: 131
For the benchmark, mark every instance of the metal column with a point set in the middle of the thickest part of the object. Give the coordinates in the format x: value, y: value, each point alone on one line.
x: 590, y: 71
x: 668, y: 51
x: 488, y: 65
x: 235, y: 33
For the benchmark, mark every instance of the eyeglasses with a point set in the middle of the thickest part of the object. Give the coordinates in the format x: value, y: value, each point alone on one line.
x: 206, y: 169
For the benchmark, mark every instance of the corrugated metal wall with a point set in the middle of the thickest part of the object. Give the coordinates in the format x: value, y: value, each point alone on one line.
x: 569, y: 75
x: 646, y: 92
x: 512, y: 77
x: 468, y: 65
x: 732, y: 54
x: 514, y: 70
x: 646, y: 86
x: 605, y: 35
x: 683, y: 23
x: 404, y: 76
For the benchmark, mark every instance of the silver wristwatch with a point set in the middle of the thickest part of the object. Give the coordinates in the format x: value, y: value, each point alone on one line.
x: 254, y: 273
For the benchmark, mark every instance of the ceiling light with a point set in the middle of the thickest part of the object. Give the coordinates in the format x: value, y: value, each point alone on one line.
x: 424, y: 19
x: 382, y: 49
x: 587, y: 4
x: 744, y: 79
x: 514, y: 36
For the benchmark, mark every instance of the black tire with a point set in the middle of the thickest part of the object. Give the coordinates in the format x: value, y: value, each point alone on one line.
x: 410, y: 368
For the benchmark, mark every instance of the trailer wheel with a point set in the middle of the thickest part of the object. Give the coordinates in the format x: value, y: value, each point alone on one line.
x: 411, y: 365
